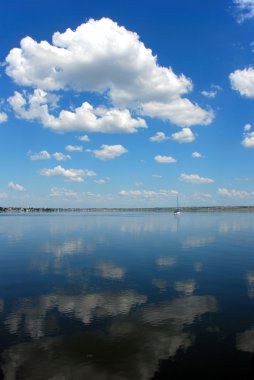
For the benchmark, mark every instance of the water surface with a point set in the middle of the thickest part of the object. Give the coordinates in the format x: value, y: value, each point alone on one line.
x: 127, y: 296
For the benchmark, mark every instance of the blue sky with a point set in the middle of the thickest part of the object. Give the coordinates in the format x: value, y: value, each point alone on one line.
x: 105, y: 104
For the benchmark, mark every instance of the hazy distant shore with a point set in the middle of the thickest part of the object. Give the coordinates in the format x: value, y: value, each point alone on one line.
x: 125, y: 209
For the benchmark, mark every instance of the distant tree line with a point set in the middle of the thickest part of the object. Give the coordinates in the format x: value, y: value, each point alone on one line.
x: 130, y: 209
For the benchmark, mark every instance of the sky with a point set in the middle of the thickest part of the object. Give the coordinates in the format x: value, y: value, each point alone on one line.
x: 126, y: 104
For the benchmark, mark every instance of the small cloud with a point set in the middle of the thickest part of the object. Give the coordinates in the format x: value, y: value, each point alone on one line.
x: 247, y: 127
x: 165, y: 159
x: 248, y: 141
x: 156, y: 176
x: 89, y: 173
x: 197, y: 155
x: 56, y: 192
x: 158, y: 137
x: 3, y: 117
x: 109, y: 152
x: 90, y: 194
x: 209, y: 94
x: 100, y: 181
x: 148, y: 193
x: 61, y: 157
x: 15, y: 186
x: 242, y: 179
x: 231, y: 193
x: 72, y: 175
x: 84, y: 138
x: 244, y: 9
x: 184, y: 136
x: 74, y: 148
x: 212, y: 93
x: 201, y: 197
x: 195, y: 178
x: 243, y: 81
x: 42, y: 155
x: 138, y: 184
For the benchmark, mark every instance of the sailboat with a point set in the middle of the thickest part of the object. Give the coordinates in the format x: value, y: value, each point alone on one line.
x: 177, y: 210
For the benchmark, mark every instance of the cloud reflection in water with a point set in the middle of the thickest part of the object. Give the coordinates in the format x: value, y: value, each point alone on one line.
x: 131, y: 348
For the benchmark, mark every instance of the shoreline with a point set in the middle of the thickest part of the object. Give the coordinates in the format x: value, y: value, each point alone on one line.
x: 125, y: 209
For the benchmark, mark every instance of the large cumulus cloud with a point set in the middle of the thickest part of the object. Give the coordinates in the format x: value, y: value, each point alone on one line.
x: 102, y: 57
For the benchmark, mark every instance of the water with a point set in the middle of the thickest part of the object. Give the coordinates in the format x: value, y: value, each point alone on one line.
x: 116, y: 296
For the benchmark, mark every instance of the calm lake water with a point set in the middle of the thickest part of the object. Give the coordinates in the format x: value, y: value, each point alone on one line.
x: 114, y: 296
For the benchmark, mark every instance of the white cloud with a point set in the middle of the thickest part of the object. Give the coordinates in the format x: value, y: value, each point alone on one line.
x: 102, y: 180
x: 3, y: 117
x: 209, y: 94
x: 243, y: 81
x: 242, y: 179
x: 109, y: 152
x: 15, y: 186
x: 158, y: 137
x: 42, y: 155
x: 90, y: 173
x: 74, y: 148
x: 148, y: 193
x: 165, y: 159
x: 184, y: 136
x: 197, y: 155
x: 247, y: 127
x: 248, y: 141
x: 83, y: 118
x: 231, y: 193
x: 84, y: 138
x: 72, y: 175
x: 201, y: 197
x: 213, y: 92
x: 244, y: 10
x: 56, y: 192
x: 100, y: 56
x: 61, y: 157
x: 156, y: 176
x: 195, y: 178
x: 179, y: 111
x: 89, y: 194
